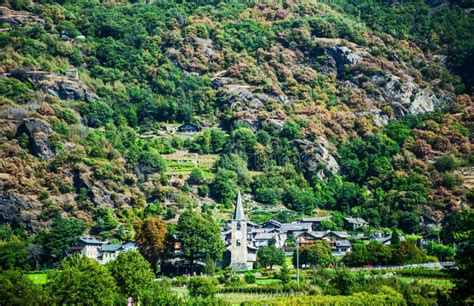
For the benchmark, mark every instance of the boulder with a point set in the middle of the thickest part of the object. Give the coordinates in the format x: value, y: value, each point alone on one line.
x: 39, y: 133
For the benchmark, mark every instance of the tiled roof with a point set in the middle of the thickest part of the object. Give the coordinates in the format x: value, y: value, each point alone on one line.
x: 89, y: 240
x: 295, y: 226
x: 111, y: 247
x: 317, y: 219
x: 264, y: 236
x: 355, y: 220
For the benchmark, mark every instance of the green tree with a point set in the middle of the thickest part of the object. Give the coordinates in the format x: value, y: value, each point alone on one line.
x: 463, y: 291
x: 284, y: 274
x: 199, y: 237
x: 407, y: 253
x: 132, y: 273
x: 196, y: 176
x: 13, y: 254
x: 210, y: 267
x: 81, y: 280
x: 315, y: 255
x: 97, y: 113
x: 395, y: 239
x: 62, y: 234
x: 268, y: 256
x: 343, y: 281
x: 17, y: 289
x: 105, y: 221
x: 224, y: 186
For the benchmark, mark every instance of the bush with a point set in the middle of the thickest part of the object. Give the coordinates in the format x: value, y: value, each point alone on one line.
x: 447, y: 162
x: 202, y: 287
x: 250, y: 278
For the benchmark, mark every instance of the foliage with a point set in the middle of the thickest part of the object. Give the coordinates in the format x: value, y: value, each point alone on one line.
x: 390, y: 297
x: 150, y: 238
x: 284, y: 274
x: 132, y: 274
x: 81, y: 280
x: 316, y: 255
x: 268, y: 256
x: 13, y: 254
x: 463, y: 279
x: 250, y: 278
x: 199, y: 236
x: 17, y: 289
x: 62, y: 234
x: 201, y: 286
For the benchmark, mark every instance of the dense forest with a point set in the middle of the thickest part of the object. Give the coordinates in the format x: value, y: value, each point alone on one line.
x: 309, y: 108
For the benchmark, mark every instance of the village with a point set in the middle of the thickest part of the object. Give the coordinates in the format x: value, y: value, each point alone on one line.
x: 243, y: 238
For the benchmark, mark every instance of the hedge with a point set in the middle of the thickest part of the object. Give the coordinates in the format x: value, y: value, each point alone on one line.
x: 389, y: 297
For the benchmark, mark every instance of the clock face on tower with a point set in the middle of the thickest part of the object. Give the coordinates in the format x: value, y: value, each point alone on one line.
x: 238, y: 234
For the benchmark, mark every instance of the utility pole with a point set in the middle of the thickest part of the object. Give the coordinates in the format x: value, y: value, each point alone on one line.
x: 297, y: 261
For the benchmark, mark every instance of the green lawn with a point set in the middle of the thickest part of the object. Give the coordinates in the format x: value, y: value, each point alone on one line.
x: 38, y: 278
x: 267, y: 281
x: 436, y: 282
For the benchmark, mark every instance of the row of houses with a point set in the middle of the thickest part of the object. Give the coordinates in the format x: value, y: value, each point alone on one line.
x: 99, y: 250
x: 243, y: 238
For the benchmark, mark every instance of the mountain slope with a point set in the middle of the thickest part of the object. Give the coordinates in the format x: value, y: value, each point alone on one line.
x: 304, y: 106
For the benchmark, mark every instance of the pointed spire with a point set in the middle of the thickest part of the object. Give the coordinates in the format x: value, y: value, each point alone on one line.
x: 239, y: 208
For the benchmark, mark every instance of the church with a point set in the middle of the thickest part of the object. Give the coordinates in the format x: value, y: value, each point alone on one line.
x: 240, y: 254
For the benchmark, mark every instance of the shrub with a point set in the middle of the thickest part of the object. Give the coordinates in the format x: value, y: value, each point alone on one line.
x: 447, y: 162
x: 202, y: 287
x: 250, y: 278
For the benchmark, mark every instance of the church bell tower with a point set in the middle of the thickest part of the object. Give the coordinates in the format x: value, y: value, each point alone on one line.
x: 238, y: 247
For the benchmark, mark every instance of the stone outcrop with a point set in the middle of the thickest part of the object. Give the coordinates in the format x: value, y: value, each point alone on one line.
x: 16, y: 18
x: 61, y: 86
x: 405, y: 95
x: 342, y: 56
x: 19, y: 212
x: 39, y: 133
x: 317, y: 157
x: 249, y: 104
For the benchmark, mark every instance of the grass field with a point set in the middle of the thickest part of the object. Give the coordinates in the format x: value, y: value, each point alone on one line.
x: 436, y: 282
x: 38, y: 278
x: 238, y: 298
x: 267, y: 281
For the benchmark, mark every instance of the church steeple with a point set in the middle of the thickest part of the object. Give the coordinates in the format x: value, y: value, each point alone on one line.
x: 239, y: 208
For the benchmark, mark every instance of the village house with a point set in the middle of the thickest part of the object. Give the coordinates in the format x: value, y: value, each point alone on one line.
x: 189, y: 128
x: 87, y: 247
x: 352, y: 224
x: 316, y: 222
x: 100, y: 251
x: 337, y: 241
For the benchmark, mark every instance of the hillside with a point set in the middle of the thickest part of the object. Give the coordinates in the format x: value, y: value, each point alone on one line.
x: 358, y: 107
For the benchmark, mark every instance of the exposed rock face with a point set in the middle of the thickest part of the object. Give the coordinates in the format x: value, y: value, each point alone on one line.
x: 39, y: 133
x: 16, y: 18
x: 343, y: 56
x: 248, y: 103
x: 19, y: 212
x: 61, y: 86
x: 317, y: 157
x: 405, y: 95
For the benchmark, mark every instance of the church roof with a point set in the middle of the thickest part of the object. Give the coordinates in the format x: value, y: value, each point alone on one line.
x: 239, y: 209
